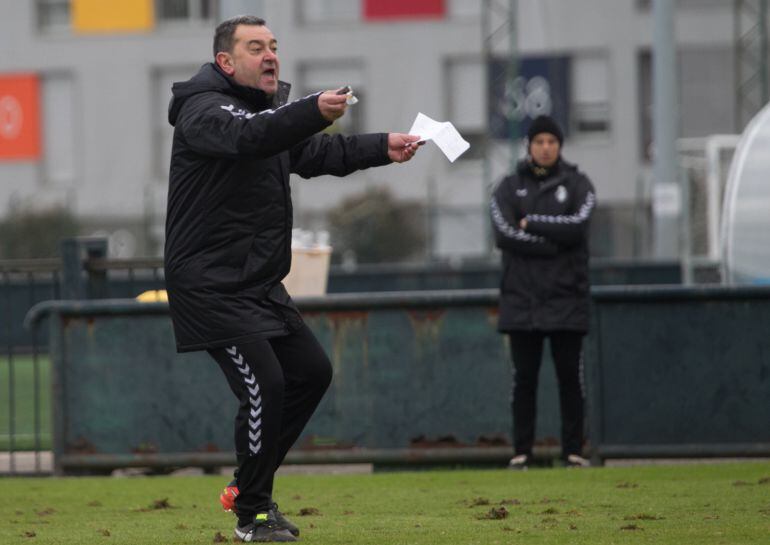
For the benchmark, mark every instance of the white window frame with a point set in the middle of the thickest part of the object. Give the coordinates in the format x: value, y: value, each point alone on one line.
x: 194, y: 13
x: 61, y: 151
x: 328, y: 12
x: 591, y: 101
x: 162, y: 132
x: 314, y: 76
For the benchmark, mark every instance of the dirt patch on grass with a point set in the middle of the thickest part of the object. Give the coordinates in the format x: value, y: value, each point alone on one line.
x: 158, y: 505
x: 496, y: 513
x: 475, y: 502
x: 308, y: 512
x: 631, y: 527
x: 626, y: 484
x: 642, y: 516
x: 219, y: 538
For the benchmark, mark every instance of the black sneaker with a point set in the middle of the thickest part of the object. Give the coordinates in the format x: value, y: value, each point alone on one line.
x: 519, y: 462
x: 282, y: 521
x: 263, y: 529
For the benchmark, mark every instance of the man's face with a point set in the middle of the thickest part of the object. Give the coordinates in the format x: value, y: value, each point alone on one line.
x: 254, y: 59
x: 544, y: 149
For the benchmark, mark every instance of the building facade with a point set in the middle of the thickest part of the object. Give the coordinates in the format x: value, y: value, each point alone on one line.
x: 101, y: 81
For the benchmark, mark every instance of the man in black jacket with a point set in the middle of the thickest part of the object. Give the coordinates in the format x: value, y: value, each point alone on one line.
x: 228, y: 246
x: 540, y: 216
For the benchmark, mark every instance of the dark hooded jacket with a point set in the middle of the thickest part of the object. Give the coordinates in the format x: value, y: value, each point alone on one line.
x: 229, y: 217
x: 544, y: 284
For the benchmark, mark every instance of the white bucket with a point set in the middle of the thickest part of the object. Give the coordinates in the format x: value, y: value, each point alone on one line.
x: 309, y: 271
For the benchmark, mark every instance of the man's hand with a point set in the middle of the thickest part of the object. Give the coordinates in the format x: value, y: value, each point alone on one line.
x: 402, y: 147
x: 332, y: 105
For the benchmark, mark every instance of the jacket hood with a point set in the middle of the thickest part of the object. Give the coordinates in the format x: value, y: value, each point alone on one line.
x: 210, y: 78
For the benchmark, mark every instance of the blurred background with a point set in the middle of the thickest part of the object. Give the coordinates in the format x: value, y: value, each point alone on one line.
x: 85, y: 143
x: 663, y: 104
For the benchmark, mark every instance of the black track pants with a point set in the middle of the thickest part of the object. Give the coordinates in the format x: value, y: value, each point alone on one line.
x: 279, y: 383
x: 527, y: 353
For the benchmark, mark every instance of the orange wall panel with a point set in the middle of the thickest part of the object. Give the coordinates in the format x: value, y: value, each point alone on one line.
x: 19, y: 117
x: 113, y: 16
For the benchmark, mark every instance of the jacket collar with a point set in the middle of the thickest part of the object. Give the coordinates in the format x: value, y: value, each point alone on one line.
x: 257, y: 98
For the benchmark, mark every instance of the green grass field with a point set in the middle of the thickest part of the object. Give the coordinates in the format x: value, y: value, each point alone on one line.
x: 692, y: 504
x: 24, y: 402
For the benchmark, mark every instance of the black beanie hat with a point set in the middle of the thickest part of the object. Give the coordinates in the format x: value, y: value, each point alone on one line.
x: 544, y: 123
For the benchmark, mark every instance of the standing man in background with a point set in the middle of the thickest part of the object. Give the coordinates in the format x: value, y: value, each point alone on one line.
x: 540, y: 215
x: 228, y: 246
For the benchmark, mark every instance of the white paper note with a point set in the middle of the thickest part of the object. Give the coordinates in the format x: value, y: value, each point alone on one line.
x: 443, y: 133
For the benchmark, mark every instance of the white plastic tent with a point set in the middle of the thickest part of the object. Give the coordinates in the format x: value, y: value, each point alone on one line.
x: 746, y: 212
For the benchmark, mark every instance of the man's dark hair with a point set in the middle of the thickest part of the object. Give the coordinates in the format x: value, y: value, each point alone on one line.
x: 225, y: 32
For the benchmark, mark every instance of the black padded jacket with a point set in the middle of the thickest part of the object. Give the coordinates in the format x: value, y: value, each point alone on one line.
x: 544, y: 285
x: 229, y: 212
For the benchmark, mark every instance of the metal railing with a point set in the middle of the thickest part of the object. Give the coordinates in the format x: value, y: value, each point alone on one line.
x: 23, y: 283
x: 83, y: 272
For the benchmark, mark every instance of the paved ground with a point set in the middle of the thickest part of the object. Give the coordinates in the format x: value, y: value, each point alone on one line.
x: 25, y: 463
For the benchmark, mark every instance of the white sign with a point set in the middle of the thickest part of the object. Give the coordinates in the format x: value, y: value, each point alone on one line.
x: 666, y: 199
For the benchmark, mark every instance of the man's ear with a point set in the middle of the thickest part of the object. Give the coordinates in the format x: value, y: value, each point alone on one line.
x: 225, y: 62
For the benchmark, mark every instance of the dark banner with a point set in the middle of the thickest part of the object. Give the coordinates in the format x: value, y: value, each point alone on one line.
x: 541, y: 86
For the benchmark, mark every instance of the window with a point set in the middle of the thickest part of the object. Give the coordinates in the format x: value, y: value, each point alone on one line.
x: 59, y: 120
x: 319, y: 76
x: 163, y: 133
x: 170, y: 11
x: 644, y: 85
x: 462, y: 9
x: 590, y: 95
x: 53, y: 15
x: 329, y: 11
x: 466, y: 101
x: 646, y: 5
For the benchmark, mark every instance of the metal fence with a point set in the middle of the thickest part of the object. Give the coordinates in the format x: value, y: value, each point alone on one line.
x: 83, y: 272
x: 23, y: 283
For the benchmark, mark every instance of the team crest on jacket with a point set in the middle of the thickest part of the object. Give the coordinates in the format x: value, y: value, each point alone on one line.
x: 561, y: 193
x: 521, y: 192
